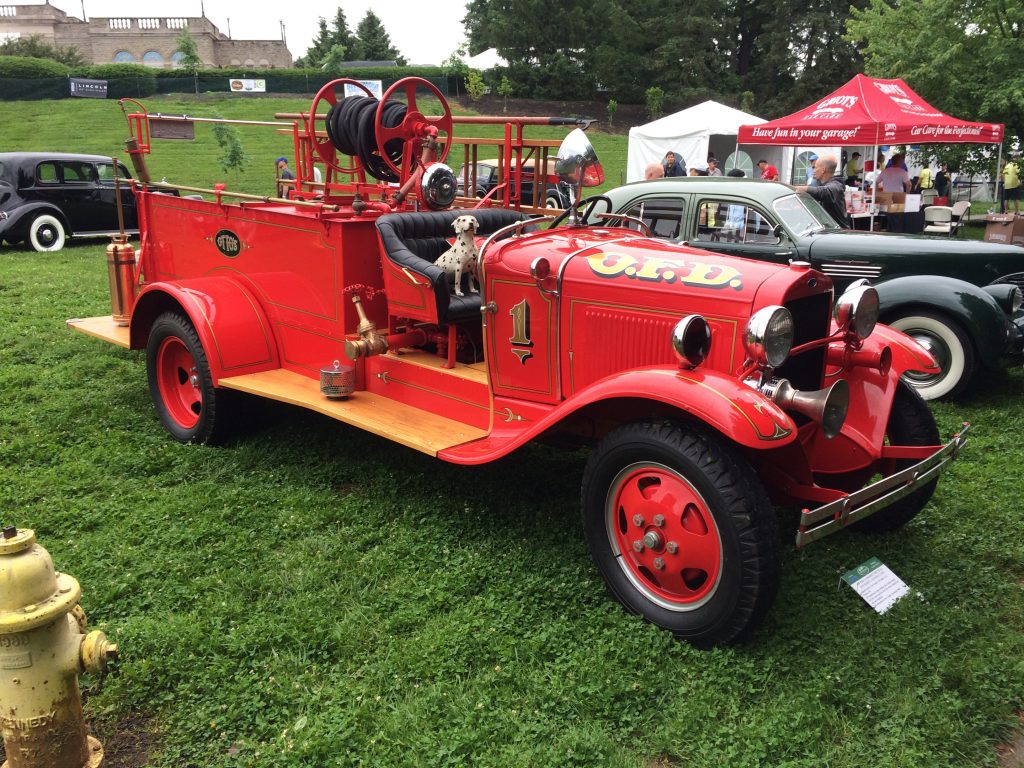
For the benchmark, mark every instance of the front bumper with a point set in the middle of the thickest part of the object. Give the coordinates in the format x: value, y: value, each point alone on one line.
x: 829, y: 518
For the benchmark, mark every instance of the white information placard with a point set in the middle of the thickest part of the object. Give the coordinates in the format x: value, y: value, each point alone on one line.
x: 878, y: 585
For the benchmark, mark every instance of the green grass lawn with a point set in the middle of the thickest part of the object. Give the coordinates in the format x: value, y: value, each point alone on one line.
x: 311, y: 595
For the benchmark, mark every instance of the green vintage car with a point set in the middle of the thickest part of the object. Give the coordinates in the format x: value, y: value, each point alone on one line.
x: 961, y: 299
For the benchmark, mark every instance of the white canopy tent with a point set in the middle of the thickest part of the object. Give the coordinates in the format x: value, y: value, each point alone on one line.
x: 488, y: 59
x: 707, y: 127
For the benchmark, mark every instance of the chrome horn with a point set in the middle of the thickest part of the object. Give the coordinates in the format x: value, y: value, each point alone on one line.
x: 827, y: 407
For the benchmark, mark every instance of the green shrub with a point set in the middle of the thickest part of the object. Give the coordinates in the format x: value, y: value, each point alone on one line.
x: 475, y: 87
x: 123, y: 80
x: 654, y: 101
x: 113, y: 71
x: 29, y: 66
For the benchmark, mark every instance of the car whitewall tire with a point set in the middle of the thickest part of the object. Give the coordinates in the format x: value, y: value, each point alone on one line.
x: 951, y: 348
x: 46, y: 233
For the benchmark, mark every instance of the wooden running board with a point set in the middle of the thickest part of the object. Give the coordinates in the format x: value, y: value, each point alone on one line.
x: 102, y: 328
x: 382, y: 416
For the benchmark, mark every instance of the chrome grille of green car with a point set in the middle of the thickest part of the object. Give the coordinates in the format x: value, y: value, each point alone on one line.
x: 851, y: 270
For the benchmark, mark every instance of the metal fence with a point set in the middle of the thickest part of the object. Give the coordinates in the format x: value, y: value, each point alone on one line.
x: 277, y: 82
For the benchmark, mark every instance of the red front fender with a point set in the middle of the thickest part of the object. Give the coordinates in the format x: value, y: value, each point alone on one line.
x: 907, y: 354
x: 726, y: 405
x: 231, y: 324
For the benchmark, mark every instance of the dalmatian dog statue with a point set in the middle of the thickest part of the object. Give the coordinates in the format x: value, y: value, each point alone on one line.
x: 461, y: 257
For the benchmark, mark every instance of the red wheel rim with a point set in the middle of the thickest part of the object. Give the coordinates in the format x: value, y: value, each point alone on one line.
x: 664, y: 536
x: 413, y: 120
x: 179, y: 383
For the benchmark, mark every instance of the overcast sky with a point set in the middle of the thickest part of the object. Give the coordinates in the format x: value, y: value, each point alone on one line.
x: 425, y: 33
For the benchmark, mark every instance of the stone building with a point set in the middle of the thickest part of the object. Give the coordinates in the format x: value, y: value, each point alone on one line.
x: 141, y: 40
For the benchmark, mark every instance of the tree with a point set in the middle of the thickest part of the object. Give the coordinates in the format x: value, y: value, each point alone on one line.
x: 186, y: 46
x: 334, y: 59
x: 456, y: 66
x: 505, y: 90
x: 35, y: 47
x: 971, y: 65
x: 318, y: 49
x: 232, y: 155
x: 475, y: 87
x: 340, y: 33
x: 373, y: 42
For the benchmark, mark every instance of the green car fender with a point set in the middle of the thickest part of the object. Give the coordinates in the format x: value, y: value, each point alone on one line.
x: 973, y: 308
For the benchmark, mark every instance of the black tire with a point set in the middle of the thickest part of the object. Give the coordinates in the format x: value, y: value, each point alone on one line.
x: 46, y: 233
x: 910, y: 423
x: 949, y: 343
x: 188, y: 404
x: 718, y: 583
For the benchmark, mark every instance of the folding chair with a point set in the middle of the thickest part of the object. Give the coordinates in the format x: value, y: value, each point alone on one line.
x: 960, y: 210
x: 938, y: 219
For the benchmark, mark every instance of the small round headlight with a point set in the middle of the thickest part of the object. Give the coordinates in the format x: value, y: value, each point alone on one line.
x: 857, y: 310
x: 769, y: 336
x: 691, y: 339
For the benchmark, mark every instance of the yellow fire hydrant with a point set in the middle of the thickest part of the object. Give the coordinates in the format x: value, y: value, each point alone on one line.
x: 43, y: 648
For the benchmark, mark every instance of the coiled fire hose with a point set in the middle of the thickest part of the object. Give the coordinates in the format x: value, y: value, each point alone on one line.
x: 350, y: 128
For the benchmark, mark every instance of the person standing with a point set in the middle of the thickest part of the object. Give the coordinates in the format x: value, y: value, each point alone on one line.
x: 829, y: 191
x: 812, y: 159
x: 672, y: 165
x: 895, y: 177
x: 1011, y: 184
x: 284, y: 173
x: 654, y: 171
x: 713, y: 169
x: 942, y: 181
x: 852, y: 170
x: 768, y: 172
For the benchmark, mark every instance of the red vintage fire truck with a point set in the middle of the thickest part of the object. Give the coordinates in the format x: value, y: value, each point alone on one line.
x: 711, y: 388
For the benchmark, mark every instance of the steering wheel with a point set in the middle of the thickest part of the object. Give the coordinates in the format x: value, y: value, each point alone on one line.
x: 590, y: 203
x: 412, y: 129
x: 323, y: 145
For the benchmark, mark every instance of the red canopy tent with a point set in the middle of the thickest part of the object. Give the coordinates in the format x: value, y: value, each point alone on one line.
x: 868, y: 111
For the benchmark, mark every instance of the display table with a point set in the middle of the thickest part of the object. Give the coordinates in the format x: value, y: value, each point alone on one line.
x: 911, y: 223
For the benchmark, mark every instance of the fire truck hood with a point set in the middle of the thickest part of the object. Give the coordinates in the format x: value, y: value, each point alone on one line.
x: 621, y: 260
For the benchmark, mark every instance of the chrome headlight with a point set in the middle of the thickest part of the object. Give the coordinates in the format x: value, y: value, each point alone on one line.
x: 1008, y: 295
x: 857, y: 310
x: 769, y: 336
x: 691, y: 339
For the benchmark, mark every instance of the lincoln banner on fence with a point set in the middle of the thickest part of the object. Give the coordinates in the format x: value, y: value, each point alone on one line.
x: 89, y: 89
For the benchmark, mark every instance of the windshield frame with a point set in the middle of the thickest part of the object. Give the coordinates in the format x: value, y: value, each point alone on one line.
x: 802, y: 215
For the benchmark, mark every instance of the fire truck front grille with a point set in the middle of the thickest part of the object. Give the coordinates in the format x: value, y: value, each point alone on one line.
x: 811, y: 316
x: 626, y: 340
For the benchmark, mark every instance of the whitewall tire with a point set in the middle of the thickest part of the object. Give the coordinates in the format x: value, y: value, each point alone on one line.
x: 950, y: 346
x: 46, y: 233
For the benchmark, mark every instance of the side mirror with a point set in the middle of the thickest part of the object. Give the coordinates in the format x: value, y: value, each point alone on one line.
x: 779, y: 233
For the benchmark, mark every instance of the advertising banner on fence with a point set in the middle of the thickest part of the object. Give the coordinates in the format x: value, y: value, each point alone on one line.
x: 241, y: 85
x: 375, y: 87
x: 88, y: 89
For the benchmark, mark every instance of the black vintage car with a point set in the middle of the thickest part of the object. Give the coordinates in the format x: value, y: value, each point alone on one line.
x: 47, y: 197
x: 486, y: 175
